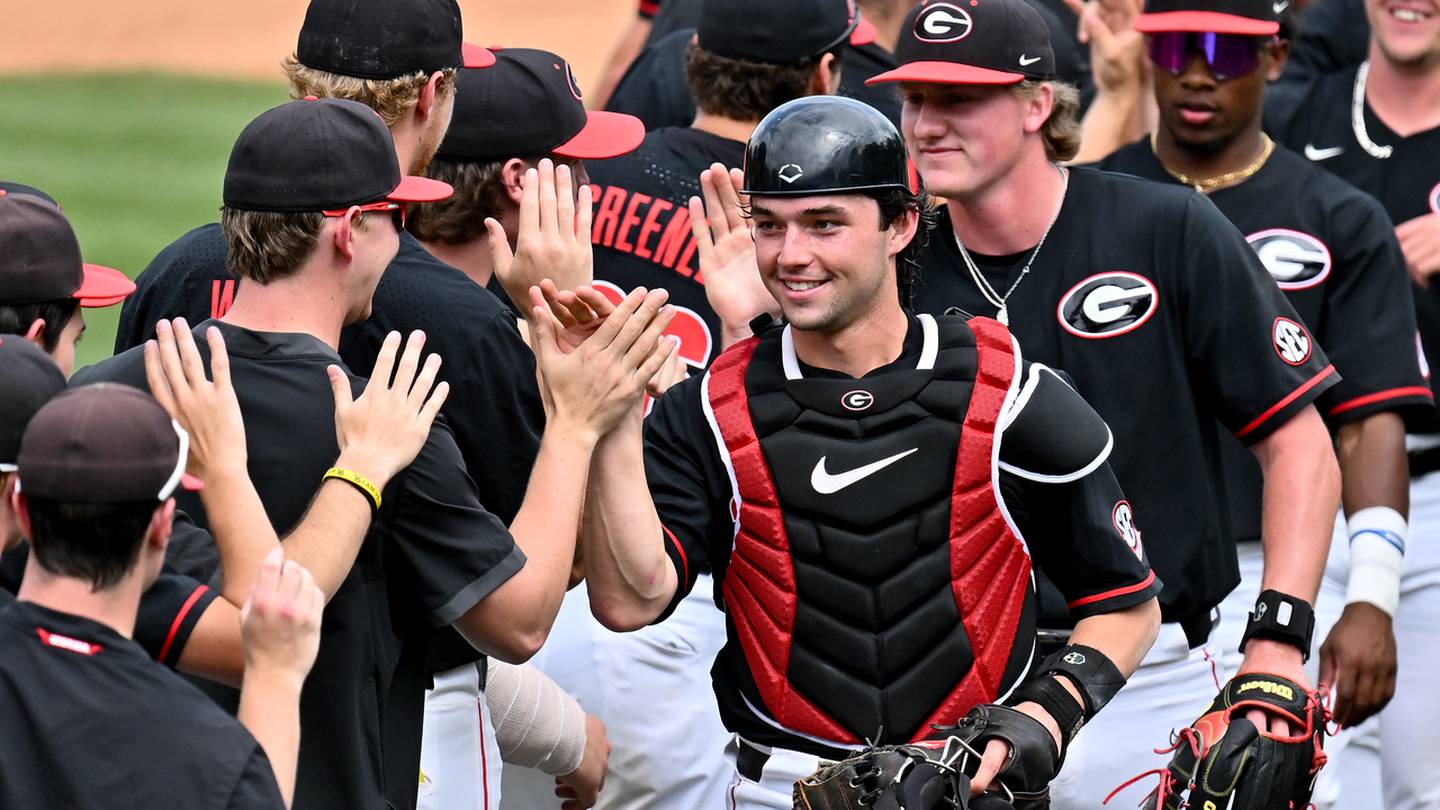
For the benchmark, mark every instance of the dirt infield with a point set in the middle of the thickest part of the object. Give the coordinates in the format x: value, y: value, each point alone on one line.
x: 249, y: 37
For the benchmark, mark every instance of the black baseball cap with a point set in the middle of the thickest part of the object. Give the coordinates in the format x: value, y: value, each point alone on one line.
x: 21, y: 188
x: 776, y: 32
x: 29, y: 378
x: 104, y: 443
x: 385, y: 39
x: 530, y: 104
x: 972, y: 42
x: 40, y: 258
x: 320, y: 155
x: 1244, y: 17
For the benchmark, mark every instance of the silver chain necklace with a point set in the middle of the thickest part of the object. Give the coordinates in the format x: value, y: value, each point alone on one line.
x: 1357, y: 116
x: 996, y: 299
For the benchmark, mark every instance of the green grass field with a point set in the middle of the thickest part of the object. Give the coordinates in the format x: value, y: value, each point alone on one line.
x: 134, y: 159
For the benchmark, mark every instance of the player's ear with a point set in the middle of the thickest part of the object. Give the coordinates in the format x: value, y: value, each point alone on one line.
x: 902, y: 230
x: 1039, y: 103
x: 161, y: 524
x: 429, y: 94
x: 825, y: 81
x: 21, y: 507
x: 36, y: 333
x: 344, y: 234
x: 1279, y: 54
x: 512, y: 172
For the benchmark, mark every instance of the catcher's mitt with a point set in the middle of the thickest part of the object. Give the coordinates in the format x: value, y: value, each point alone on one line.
x: 935, y: 774
x: 1224, y: 761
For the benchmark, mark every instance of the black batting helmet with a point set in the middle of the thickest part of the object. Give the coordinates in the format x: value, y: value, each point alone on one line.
x: 824, y: 145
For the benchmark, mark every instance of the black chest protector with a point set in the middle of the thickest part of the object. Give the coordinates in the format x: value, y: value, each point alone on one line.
x: 875, y: 582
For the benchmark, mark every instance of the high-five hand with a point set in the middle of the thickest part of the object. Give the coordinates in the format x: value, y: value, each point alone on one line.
x: 727, y: 254
x: 554, y: 237
x: 594, y: 386
x: 207, y: 410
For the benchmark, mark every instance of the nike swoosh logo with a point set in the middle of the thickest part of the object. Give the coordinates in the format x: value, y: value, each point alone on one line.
x: 1322, y: 154
x: 1279, y: 8
x: 1028, y: 61
x: 828, y: 484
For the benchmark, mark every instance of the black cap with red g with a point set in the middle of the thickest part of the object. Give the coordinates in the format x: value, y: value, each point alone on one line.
x: 529, y: 104
x: 972, y: 42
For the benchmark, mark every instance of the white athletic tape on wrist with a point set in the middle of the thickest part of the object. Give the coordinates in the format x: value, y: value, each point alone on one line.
x: 1377, y: 556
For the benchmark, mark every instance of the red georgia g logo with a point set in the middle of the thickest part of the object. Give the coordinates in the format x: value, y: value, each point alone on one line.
x: 943, y: 22
x: 1292, y: 342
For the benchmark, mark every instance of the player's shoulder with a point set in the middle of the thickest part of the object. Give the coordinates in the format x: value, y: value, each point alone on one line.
x: 125, y: 368
x: 1325, y: 192
x: 1050, y: 434
x: 198, y: 252
x: 418, y: 290
x: 1137, y: 196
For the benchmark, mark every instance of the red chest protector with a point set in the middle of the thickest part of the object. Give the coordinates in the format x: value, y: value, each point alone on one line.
x: 989, y: 567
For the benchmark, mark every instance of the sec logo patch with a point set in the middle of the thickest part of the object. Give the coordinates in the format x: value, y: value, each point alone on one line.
x: 943, y: 22
x: 1124, y: 519
x: 1106, y: 305
x: 1296, y: 260
x: 1292, y: 342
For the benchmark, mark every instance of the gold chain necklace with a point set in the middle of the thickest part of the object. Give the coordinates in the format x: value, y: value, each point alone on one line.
x: 1209, y: 184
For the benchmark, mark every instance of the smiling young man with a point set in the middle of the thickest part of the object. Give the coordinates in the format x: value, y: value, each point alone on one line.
x: 1332, y: 251
x: 1167, y: 322
x: 1377, y: 126
x: 868, y: 486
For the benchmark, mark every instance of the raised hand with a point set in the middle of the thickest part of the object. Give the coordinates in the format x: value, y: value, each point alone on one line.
x: 381, y: 432
x: 727, y: 254
x: 1117, y: 50
x: 593, y: 386
x: 554, y: 234
x: 208, y: 410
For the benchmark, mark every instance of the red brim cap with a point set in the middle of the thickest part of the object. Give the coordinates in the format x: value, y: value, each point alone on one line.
x: 945, y: 73
x: 416, y: 189
x: 864, y: 33
x: 475, y: 56
x: 1204, y: 22
x: 103, y: 287
x: 605, y: 135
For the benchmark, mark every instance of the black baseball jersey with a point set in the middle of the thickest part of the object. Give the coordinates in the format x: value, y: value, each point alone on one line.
x: 1333, y: 35
x: 491, y: 372
x: 1168, y: 323
x: 92, y: 722
x: 169, y: 608
x: 654, y: 89
x: 431, y: 554
x: 1333, y: 253
x: 641, y: 230
x: 1051, y: 479
x: 493, y: 392
x: 1318, y: 124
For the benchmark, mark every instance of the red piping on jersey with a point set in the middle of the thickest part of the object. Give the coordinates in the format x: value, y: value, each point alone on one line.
x: 684, y: 560
x: 1280, y: 406
x: 1100, y: 597
x: 1381, y: 396
x: 180, y: 620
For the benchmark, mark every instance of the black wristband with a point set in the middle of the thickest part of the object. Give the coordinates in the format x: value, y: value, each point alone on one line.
x: 1093, y: 675
x: 1055, y: 699
x: 1283, y: 618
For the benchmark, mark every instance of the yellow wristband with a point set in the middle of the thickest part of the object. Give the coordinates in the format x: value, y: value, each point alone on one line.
x: 359, y: 481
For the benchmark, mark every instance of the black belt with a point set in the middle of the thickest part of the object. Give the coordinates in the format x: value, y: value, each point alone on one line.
x: 1424, y: 462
